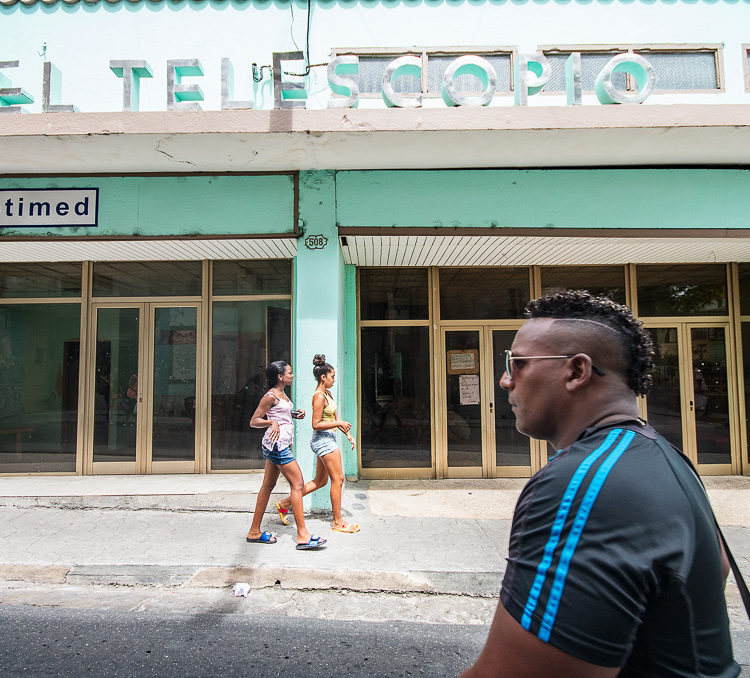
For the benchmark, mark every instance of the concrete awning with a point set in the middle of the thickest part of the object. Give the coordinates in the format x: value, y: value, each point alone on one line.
x: 292, y: 139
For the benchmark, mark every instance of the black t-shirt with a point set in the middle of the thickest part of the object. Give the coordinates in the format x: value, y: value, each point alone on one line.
x: 614, y: 558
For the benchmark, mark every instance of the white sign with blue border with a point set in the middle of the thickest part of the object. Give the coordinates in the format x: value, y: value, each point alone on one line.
x: 48, y: 207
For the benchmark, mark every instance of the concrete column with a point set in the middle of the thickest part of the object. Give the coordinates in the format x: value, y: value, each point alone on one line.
x: 320, y: 309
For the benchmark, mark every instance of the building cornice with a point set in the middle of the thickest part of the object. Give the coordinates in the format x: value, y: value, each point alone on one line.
x: 295, y: 139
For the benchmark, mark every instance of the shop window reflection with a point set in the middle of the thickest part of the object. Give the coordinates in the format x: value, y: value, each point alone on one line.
x: 174, y: 384
x: 679, y: 290
x: 39, y: 360
x: 40, y: 279
x: 475, y: 293
x: 744, y: 278
x: 116, y: 379
x: 395, y: 417
x: 247, y: 335
x: 463, y: 414
x: 711, y: 395
x: 147, y: 278
x: 606, y: 281
x: 664, y: 404
x: 746, y: 379
x: 393, y: 293
x: 269, y: 276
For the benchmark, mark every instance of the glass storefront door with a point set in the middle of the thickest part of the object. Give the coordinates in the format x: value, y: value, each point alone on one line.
x: 690, y: 401
x: 466, y: 406
x: 143, y: 388
x: 479, y: 436
x: 513, y: 450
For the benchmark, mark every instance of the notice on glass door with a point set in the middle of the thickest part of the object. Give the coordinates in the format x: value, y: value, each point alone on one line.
x: 468, y: 389
x: 463, y: 361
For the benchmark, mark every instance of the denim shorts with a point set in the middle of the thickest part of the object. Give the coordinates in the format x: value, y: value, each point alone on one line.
x: 323, y: 442
x: 278, y: 456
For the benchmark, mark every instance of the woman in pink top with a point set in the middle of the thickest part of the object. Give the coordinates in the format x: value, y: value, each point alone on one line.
x: 274, y: 413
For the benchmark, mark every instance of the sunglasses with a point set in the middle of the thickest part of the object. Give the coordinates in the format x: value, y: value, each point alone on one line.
x: 509, y: 358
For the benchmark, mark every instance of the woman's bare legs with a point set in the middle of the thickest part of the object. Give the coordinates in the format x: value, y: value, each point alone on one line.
x: 293, y: 474
x: 320, y: 480
x: 332, y: 462
x: 270, y: 476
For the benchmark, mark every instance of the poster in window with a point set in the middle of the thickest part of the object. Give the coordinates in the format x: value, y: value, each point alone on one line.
x: 468, y: 389
x: 463, y: 361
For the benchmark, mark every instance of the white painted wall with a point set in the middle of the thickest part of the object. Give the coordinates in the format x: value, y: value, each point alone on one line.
x: 82, y: 39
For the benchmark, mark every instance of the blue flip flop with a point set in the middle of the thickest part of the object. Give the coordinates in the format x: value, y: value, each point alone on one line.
x: 265, y: 538
x: 314, y: 543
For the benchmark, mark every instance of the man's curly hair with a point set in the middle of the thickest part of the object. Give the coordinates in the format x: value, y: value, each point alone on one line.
x: 636, y: 341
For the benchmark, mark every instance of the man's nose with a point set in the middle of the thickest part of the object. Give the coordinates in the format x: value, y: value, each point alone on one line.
x: 506, y: 382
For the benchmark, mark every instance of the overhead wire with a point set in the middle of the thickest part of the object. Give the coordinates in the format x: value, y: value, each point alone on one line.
x: 258, y: 71
x: 308, y: 65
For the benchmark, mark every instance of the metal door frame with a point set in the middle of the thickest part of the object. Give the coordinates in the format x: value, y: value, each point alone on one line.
x: 687, y: 392
x: 488, y: 468
x: 143, y: 464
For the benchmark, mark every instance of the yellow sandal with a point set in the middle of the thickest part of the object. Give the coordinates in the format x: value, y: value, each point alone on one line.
x: 282, y: 514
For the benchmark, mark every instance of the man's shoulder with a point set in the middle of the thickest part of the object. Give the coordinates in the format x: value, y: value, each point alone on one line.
x: 623, y: 463
x: 623, y: 444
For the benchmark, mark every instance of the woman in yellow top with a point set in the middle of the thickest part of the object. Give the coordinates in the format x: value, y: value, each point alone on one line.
x: 325, y: 422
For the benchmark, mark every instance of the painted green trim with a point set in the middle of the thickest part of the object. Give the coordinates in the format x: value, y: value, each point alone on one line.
x: 175, y: 206
x: 318, y: 307
x: 602, y: 198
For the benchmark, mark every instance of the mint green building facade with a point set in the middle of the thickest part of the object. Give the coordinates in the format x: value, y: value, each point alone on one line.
x: 175, y: 214
x: 186, y: 286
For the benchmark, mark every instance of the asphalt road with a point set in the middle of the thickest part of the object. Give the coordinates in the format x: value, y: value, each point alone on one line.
x: 109, y: 634
x: 38, y: 641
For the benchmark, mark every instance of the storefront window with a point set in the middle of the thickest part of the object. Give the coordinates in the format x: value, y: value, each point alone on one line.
x: 746, y: 380
x: 664, y: 400
x: 39, y: 358
x: 465, y: 434
x: 478, y: 293
x: 395, y: 404
x: 26, y: 281
x: 247, y: 335
x: 607, y: 281
x: 744, y: 276
x: 682, y: 289
x: 116, y: 386
x: 147, y: 279
x: 272, y: 276
x: 174, y: 384
x: 393, y: 294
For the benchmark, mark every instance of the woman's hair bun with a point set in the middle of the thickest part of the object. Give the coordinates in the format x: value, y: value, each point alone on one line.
x: 319, y: 359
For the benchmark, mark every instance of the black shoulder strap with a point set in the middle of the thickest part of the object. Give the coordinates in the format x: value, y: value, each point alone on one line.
x: 738, y: 578
x: 741, y: 585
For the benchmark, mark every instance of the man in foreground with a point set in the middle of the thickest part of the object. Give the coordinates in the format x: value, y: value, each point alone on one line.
x: 614, y: 564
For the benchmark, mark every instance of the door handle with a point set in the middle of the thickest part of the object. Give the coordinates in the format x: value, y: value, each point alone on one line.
x: 490, y: 408
x: 691, y: 405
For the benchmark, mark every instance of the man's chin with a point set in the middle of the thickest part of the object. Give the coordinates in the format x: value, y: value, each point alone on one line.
x: 524, y: 430
x: 520, y: 427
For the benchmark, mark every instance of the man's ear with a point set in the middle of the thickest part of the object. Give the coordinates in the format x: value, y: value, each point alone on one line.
x: 579, y: 372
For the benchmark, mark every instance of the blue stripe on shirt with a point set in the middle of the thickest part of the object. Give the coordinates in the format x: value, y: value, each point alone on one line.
x: 558, y: 524
x: 553, y: 602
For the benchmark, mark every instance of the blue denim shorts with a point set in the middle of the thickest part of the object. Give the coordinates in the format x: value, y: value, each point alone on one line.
x: 323, y: 442
x: 278, y: 456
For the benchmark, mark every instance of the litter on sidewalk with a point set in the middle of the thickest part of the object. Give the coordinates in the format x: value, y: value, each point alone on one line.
x: 241, y: 589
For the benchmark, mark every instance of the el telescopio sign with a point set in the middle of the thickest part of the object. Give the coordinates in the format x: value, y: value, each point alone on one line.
x: 531, y: 73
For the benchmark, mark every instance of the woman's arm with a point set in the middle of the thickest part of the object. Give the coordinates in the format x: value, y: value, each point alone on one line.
x: 258, y: 420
